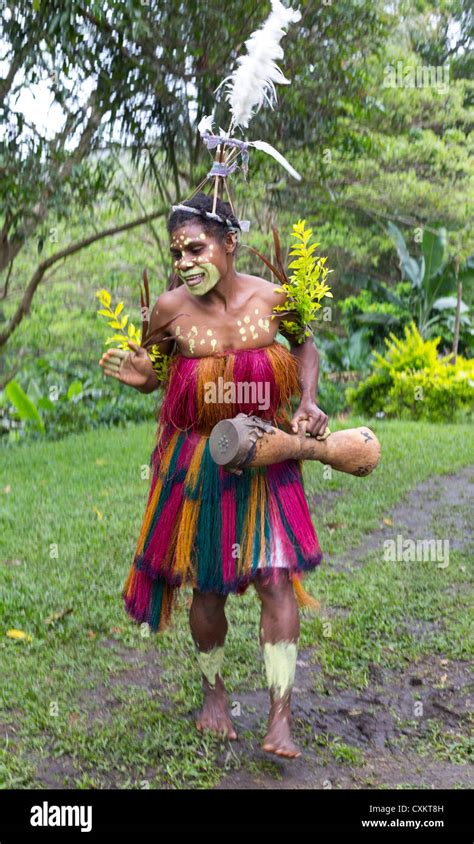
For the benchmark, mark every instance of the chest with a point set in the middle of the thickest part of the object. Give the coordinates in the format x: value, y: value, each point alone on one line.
x: 199, y: 334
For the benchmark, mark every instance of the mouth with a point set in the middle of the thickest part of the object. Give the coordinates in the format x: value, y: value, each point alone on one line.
x: 192, y: 280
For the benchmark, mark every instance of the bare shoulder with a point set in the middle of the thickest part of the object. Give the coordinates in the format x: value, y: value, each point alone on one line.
x: 268, y: 291
x: 166, y: 309
x: 168, y: 301
x: 168, y: 306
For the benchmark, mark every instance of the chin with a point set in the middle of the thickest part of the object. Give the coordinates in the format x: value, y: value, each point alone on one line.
x: 199, y: 291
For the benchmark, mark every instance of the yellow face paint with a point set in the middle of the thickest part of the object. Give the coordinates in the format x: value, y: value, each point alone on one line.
x: 210, y: 663
x: 280, y: 666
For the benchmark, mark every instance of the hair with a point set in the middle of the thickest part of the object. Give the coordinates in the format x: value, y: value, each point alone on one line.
x: 202, y: 202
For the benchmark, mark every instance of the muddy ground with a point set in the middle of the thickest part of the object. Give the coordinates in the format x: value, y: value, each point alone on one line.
x: 375, y: 728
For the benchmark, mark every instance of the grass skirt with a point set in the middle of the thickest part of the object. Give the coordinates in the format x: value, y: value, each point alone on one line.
x: 203, y: 525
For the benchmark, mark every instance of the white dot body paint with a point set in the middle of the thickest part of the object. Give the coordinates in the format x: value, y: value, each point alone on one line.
x: 280, y: 666
x: 210, y: 663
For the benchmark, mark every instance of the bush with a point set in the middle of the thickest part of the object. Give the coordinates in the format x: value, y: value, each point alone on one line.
x: 413, y: 382
x: 377, y: 314
x: 57, y: 398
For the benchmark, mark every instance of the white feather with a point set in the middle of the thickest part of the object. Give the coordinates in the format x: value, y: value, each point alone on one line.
x: 252, y: 83
x: 264, y: 147
x: 206, y: 124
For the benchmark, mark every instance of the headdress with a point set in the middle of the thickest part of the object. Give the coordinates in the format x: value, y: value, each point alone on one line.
x: 250, y: 85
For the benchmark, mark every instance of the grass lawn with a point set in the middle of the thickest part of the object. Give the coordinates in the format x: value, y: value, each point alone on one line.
x: 93, y: 701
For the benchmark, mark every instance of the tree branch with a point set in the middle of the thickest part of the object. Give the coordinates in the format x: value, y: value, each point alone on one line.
x: 24, y: 306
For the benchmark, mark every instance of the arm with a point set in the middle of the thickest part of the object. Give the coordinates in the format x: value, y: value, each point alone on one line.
x: 307, y: 356
x: 135, y: 368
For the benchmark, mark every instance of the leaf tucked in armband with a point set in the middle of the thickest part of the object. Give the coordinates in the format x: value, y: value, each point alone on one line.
x: 160, y: 362
x: 305, y: 287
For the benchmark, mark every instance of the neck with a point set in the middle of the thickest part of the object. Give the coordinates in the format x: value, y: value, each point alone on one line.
x: 224, y: 291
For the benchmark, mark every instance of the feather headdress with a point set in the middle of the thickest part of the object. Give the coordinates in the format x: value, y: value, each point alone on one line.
x: 250, y: 86
x: 252, y: 83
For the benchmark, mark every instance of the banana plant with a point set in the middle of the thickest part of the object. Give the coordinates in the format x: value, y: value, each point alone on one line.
x: 434, y: 279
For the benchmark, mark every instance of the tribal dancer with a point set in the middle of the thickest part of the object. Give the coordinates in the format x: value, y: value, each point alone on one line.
x: 217, y: 530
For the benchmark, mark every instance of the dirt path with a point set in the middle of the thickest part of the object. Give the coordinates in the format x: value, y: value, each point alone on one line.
x: 374, y: 721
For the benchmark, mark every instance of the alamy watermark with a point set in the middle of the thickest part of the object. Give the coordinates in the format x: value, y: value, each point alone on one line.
x: 421, y: 76
x: 402, y: 550
x: 45, y: 814
x: 240, y: 392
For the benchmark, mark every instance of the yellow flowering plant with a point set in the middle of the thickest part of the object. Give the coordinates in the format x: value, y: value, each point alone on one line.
x: 306, y: 286
x: 160, y: 361
x: 118, y: 322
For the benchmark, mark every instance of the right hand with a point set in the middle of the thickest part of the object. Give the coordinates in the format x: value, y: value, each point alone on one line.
x: 133, y: 368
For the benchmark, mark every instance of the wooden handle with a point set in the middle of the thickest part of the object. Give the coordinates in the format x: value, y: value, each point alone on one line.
x: 251, y: 441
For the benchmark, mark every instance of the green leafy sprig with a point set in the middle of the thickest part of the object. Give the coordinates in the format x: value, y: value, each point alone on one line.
x: 306, y: 286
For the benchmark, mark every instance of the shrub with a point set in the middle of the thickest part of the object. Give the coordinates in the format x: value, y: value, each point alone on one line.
x: 413, y: 382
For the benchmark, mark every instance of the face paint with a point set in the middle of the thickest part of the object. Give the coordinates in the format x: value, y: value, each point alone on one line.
x: 210, y: 276
x: 280, y: 666
x: 210, y: 663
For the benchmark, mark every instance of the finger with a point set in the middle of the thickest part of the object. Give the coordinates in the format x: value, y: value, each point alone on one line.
x: 323, y: 425
x: 113, y: 374
x: 121, y: 353
x: 114, y: 363
x: 297, y: 421
x: 311, y: 427
x: 115, y: 355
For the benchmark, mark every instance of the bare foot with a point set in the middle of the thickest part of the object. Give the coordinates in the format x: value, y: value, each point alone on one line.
x: 278, y: 738
x: 214, y: 715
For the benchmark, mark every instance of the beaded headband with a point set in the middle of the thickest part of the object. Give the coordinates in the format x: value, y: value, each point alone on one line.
x: 243, y: 224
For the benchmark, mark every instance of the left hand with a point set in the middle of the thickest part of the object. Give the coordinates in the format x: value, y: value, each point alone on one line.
x: 317, y: 420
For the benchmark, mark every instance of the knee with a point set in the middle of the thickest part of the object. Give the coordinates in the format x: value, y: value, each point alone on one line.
x: 275, y: 590
x: 209, y: 606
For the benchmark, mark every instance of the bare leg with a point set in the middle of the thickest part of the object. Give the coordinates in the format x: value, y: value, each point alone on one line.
x: 208, y: 628
x: 279, y: 633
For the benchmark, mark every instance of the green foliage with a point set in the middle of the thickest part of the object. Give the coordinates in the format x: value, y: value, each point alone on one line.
x: 413, y: 382
x: 306, y: 286
x: 376, y: 314
x: 433, y: 278
x: 60, y: 398
x: 331, y: 396
x: 345, y: 354
x: 25, y: 408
